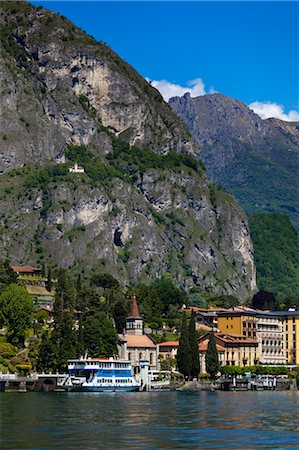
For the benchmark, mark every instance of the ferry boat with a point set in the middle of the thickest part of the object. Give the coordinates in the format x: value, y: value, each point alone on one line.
x: 99, y: 374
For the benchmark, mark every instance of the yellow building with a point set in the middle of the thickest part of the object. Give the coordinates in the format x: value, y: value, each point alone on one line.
x: 291, y: 336
x: 239, y: 350
x: 238, y: 321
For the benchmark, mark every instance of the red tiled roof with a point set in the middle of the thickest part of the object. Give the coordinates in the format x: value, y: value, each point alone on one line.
x: 26, y: 269
x: 231, y: 338
x: 142, y: 341
x: 203, y: 346
x: 202, y: 326
x: 203, y: 310
x: 169, y: 344
x: 134, y: 311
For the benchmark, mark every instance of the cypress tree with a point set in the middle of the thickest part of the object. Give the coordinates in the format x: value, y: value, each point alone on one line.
x: 212, y: 363
x: 49, y: 280
x: 64, y: 336
x: 79, y: 283
x: 195, y: 369
x: 184, y: 353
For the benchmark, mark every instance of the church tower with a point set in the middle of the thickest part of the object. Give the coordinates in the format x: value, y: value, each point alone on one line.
x: 134, y: 324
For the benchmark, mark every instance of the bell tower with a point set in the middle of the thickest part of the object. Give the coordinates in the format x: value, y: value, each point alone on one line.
x: 134, y: 324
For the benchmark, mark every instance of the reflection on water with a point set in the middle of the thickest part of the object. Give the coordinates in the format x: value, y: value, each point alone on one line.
x: 160, y: 420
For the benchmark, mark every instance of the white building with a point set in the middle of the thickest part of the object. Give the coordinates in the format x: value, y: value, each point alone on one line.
x: 269, y: 334
x: 76, y: 169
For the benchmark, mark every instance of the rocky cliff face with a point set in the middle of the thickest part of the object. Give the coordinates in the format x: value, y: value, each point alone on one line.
x: 58, y: 84
x: 138, y: 217
x: 254, y: 159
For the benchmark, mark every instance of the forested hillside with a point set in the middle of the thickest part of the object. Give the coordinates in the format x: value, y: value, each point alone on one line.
x: 275, y: 242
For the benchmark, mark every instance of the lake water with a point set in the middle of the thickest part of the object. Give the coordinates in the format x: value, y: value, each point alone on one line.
x: 158, y: 420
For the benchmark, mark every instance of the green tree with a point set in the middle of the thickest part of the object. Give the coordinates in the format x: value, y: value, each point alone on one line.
x: 100, y: 337
x: 184, y: 351
x: 212, y: 362
x: 47, y: 355
x: 64, y: 341
x: 64, y: 337
x: 195, y: 369
x: 7, y: 275
x: 104, y: 280
x: 264, y: 300
x: 16, y: 312
x: 49, y: 280
x: 79, y: 283
x: 65, y: 296
x: 224, y: 301
x: 197, y: 299
x: 168, y: 293
x: 276, y: 256
x: 120, y: 316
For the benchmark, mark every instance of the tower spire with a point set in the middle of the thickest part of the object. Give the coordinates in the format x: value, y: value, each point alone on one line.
x: 134, y: 310
x: 134, y: 323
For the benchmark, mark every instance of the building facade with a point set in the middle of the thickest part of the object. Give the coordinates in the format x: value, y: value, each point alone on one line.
x: 238, y: 321
x: 134, y: 345
x: 291, y: 336
x: 239, y: 350
x: 270, y: 338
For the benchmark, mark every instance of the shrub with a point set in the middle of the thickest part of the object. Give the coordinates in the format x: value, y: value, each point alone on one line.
x: 7, y: 349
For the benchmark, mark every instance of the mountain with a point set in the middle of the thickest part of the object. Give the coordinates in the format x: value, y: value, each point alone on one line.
x: 254, y: 159
x: 143, y: 206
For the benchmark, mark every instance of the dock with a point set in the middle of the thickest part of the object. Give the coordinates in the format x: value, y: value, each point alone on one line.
x: 36, y: 382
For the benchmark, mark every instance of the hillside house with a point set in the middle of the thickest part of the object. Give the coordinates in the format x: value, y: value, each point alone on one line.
x: 76, y: 169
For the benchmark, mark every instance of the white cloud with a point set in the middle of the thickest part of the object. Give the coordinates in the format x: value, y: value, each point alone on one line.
x: 267, y: 109
x: 167, y: 89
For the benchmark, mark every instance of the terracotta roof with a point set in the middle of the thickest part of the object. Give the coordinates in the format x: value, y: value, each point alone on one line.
x: 234, y: 339
x: 226, y: 338
x: 26, y: 269
x: 202, y: 326
x: 142, y: 341
x: 169, y: 344
x: 203, y: 310
x: 134, y: 311
x: 203, y: 346
x: 238, y: 311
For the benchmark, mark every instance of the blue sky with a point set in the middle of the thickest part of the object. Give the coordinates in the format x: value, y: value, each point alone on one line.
x: 247, y: 50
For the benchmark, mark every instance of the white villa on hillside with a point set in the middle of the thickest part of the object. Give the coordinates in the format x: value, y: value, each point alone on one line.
x: 76, y: 169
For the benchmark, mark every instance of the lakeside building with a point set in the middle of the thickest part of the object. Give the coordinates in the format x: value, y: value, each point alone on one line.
x: 238, y: 321
x: 203, y: 347
x: 270, y: 338
x: 238, y: 350
x: 291, y: 336
x: 134, y: 345
x: 276, y: 333
x: 168, y: 351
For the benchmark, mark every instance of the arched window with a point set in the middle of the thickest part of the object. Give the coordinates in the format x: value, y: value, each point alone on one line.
x: 151, y: 358
x: 129, y: 356
x: 140, y: 356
